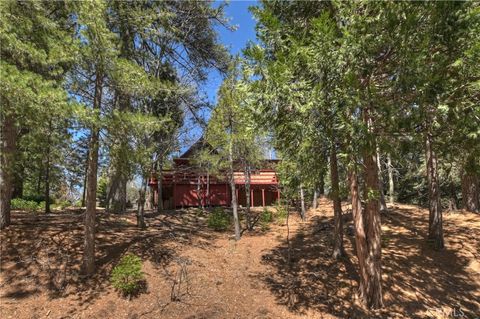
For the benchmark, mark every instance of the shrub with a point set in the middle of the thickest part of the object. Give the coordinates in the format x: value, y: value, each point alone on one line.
x: 281, y: 214
x: 218, y: 219
x: 265, y: 218
x: 37, y: 198
x: 127, y: 276
x: 27, y: 205
x: 62, y: 204
x: 78, y: 203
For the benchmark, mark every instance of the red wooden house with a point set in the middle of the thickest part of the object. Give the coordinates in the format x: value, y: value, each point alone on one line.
x: 186, y: 185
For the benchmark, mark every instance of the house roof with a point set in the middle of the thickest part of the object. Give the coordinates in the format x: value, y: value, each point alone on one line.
x: 197, y: 146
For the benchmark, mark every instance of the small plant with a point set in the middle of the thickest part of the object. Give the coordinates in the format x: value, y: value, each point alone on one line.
x: 62, y: 204
x: 265, y: 218
x: 127, y: 276
x: 218, y: 219
x: 27, y: 205
x: 281, y: 214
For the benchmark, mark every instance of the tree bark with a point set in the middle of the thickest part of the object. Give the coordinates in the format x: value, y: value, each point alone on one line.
x: 435, y: 220
x: 247, y: 196
x: 39, y: 180
x: 8, y: 150
x: 374, y: 298
x: 119, y: 199
x: 89, y: 241
x: 373, y: 232
x: 383, y: 204
x: 18, y: 178
x: 338, y: 250
x: 47, y: 183
x: 141, y: 204
x: 159, y: 188
x: 321, y: 185
x: 199, y: 190
x: 361, y: 246
x: 302, y: 203
x: 315, y: 198
x: 123, y: 165
x: 391, y: 185
x: 84, y: 192
x: 234, y: 193
x: 208, y: 189
x: 470, y: 192
x: 47, y: 171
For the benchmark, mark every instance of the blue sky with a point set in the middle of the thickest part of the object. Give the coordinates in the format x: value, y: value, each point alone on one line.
x: 237, y: 12
x: 235, y: 41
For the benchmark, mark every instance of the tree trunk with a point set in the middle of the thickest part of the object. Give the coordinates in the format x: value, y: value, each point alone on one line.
x: 111, y: 189
x: 315, y: 198
x: 141, y: 204
x: 435, y: 222
x: 302, y: 203
x: 47, y: 171
x: 18, y: 178
x: 84, y: 192
x: 119, y: 199
x: 247, y: 196
x: 372, y: 220
x: 391, y: 185
x: 373, y: 232
x: 208, y: 189
x: 39, y: 180
x: 199, y: 194
x: 8, y: 150
x: 338, y: 250
x: 47, y: 182
x: 89, y: 242
x: 321, y: 185
x: 361, y: 246
x: 233, y: 191
x: 383, y: 204
x: 470, y: 192
x: 123, y: 165
x: 159, y: 189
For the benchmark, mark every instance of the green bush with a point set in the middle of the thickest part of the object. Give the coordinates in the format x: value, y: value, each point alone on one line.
x: 37, y: 198
x: 265, y: 218
x: 281, y: 213
x: 127, y: 276
x: 62, y: 204
x: 27, y: 205
x: 218, y: 219
x: 78, y: 203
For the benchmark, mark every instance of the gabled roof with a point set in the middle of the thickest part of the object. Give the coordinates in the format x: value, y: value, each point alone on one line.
x: 197, y: 146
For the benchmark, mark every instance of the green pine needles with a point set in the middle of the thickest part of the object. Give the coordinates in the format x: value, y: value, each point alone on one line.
x: 218, y: 219
x: 127, y: 276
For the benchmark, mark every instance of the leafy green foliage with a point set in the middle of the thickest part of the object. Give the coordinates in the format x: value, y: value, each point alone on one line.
x: 266, y: 217
x: 219, y: 219
x: 281, y: 213
x: 127, y: 276
x: 27, y: 205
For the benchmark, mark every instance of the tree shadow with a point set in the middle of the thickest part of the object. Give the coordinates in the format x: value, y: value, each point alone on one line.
x: 43, y: 254
x: 418, y: 281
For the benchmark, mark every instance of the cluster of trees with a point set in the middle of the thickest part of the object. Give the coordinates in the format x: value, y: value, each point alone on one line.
x: 98, y: 88
x: 365, y: 99
x: 371, y: 98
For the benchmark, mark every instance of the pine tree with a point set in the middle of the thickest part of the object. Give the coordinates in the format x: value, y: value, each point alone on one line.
x: 32, y: 70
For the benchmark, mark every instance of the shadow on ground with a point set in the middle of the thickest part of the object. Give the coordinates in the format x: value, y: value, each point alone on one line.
x: 418, y: 282
x: 43, y: 253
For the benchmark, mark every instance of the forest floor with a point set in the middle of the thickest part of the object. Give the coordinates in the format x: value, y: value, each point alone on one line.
x: 221, y: 278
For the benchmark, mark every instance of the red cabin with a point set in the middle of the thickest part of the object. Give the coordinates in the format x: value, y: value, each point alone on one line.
x: 186, y: 185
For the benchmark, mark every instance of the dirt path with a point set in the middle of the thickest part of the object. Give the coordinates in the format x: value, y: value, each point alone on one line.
x: 249, y: 279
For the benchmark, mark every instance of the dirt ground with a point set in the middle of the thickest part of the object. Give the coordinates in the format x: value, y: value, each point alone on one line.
x: 194, y: 272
